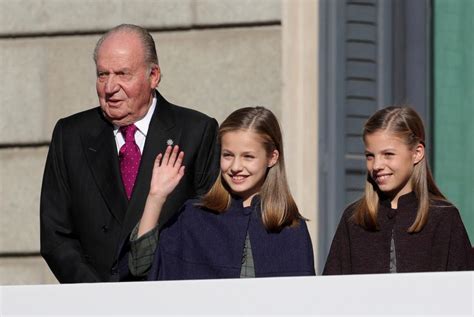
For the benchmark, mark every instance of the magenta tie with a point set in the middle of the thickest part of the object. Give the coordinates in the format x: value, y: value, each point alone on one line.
x: 129, y: 158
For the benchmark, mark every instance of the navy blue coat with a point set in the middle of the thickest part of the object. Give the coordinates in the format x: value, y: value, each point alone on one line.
x: 200, y: 244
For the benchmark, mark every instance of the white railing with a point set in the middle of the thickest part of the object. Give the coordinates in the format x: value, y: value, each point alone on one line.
x: 440, y: 294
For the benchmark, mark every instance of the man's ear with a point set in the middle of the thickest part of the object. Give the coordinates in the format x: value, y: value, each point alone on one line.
x: 155, y: 76
x: 273, y: 158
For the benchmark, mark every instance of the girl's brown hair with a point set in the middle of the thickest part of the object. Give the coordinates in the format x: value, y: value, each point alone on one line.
x: 406, y: 124
x: 277, y: 204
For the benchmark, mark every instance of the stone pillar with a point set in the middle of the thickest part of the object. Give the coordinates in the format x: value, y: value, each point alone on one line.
x: 299, y: 117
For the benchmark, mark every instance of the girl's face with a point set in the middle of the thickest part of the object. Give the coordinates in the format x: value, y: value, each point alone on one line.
x: 390, y: 163
x: 244, y: 163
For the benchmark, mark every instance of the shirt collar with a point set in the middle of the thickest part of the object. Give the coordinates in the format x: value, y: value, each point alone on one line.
x: 144, y: 123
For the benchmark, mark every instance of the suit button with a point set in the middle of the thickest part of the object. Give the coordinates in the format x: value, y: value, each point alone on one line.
x: 114, y: 270
x: 105, y: 228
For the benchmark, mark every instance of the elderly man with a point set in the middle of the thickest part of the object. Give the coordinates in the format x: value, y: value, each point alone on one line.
x: 98, y: 170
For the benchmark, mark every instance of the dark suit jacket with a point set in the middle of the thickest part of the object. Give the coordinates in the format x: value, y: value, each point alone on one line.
x: 84, y: 211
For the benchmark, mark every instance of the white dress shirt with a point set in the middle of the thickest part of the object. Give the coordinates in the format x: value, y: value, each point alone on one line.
x: 142, y: 129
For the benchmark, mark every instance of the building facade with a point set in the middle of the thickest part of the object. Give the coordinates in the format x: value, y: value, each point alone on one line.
x: 323, y: 66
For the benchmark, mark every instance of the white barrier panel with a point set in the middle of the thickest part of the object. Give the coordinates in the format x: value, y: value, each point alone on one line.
x: 440, y: 294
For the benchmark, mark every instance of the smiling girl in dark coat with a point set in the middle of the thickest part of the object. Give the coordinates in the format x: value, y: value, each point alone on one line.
x: 403, y: 223
x: 247, y: 225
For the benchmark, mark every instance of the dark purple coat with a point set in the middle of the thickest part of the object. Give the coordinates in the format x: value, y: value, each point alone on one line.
x: 442, y: 244
x: 199, y: 244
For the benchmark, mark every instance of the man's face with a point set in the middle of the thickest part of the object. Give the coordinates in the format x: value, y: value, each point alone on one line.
x: 124, y: 81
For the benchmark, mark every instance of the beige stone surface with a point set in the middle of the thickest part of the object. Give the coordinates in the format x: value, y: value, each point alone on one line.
x: 212, y: 70
x: 215, y: 71
x: 23, y: 92
x: 21, y: 173
x: 46, y: 78
x: 218, y: 71
x: 23, y: 17
x: 25, y: 271
x: 236, y: 11
x: 31, y: 17
x: 300, y: 70
x: 205, y: 66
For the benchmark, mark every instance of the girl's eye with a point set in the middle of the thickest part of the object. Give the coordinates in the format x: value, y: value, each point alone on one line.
x: 249, y: 157
x: 369, y: 156
x: 226, y: 155
x: 389, y: 154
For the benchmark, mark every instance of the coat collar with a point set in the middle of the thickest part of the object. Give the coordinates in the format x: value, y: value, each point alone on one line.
x: 404, y: 201
x: 237, y: 203
x: 162, y: 129
x: 101, y: 154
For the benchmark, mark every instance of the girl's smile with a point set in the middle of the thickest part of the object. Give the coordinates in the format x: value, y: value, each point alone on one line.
x: 391, y: 162
x: 244, y: 163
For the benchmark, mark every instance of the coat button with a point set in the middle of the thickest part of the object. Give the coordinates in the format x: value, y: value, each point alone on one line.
x: 105, y: 228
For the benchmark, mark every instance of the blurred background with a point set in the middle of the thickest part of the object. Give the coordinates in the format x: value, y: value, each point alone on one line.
x: 323, y: 66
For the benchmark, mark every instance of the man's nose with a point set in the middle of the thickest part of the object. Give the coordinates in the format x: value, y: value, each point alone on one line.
x: 111, y: 85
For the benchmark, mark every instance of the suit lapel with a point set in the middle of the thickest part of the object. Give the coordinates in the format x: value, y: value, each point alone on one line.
x: 162, y: 128
x: 101, y: 153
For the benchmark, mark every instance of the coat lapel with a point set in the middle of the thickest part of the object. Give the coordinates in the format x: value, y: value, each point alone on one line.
x: 101, y: 153
x: 162, y: 128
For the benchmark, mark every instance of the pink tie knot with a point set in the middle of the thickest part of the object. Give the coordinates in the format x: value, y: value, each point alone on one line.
x: 128, y: 132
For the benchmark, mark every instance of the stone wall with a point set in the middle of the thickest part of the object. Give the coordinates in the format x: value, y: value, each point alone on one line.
x: 215, y: 56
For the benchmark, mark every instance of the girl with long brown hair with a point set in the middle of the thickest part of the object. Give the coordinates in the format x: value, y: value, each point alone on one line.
x: 247, y: 225
x: 402, y: 223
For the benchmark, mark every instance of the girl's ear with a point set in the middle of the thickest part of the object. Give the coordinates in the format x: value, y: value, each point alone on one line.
x: 273, y: 158
x: 419, y: 153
